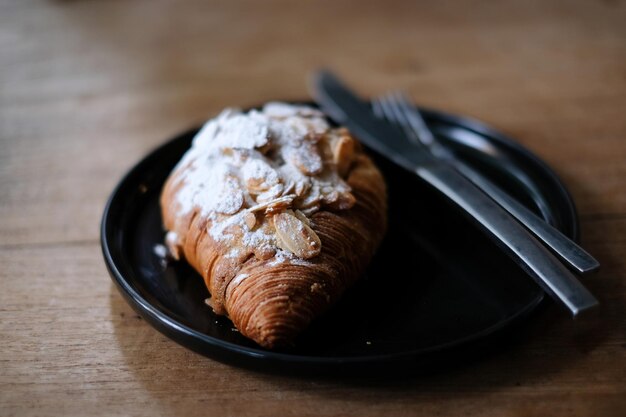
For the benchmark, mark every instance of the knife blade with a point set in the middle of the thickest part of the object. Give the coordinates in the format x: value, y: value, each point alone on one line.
x: 349, y: 110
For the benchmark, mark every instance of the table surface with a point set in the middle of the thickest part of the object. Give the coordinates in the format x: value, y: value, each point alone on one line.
x: 88, y: 87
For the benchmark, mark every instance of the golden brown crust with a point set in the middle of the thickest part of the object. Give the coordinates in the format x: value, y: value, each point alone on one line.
x: 278, y: 300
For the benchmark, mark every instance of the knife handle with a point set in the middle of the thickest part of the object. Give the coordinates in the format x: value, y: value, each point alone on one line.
x: 533, y: 257
x: 562, y: 246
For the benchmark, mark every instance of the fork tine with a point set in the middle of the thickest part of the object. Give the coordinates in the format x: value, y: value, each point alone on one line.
x: 388, y: 107
x: 394, y: 109
x: 387, y: 111
x: 398, y: 116
x: 378, y: 111
x: 403, y: 101
x: 415, y: 119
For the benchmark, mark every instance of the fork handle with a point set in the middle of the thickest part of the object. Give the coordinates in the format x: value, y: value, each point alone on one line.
x: 561, y: 245
x: 533, y: 257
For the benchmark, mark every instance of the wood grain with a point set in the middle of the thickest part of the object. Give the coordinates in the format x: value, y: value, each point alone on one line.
x: 88, y: 87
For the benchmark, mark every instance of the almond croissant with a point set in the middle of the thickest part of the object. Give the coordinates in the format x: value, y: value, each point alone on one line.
x: 278, y: 212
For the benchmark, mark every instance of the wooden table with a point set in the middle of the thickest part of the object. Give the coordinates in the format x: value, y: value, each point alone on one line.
x: 88, y: 87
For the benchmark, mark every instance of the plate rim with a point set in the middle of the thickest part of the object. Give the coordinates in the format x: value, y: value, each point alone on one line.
x: 170, y: 327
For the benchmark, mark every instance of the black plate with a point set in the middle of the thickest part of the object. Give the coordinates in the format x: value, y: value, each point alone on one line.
x: 436, y: 290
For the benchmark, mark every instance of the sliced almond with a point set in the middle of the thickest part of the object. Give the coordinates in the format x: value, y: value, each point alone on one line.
x: 259, y: 175
x: 301, y: 216
x: 330, y: 197
x: 343, y: 154
x: 284, y: 200
x: 289, y: 187
x: 311, y: 210
x: 271, y: 194
x: 295, y: 236
x: 302, y: 187
x: 277, y: 206
x: 264, y: 252
x: 257, y: 185
x: 250, y: 219
x: 309, y: 199
x: 306, y: 158
x: 344, y: 201
x: 327, y: 189
x: 325, y: 149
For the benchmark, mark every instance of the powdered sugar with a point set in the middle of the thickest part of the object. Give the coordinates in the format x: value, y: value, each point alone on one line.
x: 232, y: 129
x: 258, y: 162
x: 160, y: 250
x: 282, y: 257
x: 237, y: 280
x: 257, y: 168
x: 283, y: 110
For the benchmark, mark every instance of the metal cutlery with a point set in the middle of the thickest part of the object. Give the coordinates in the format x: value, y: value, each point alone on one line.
x: 397, y: 109
x: 356, y: 114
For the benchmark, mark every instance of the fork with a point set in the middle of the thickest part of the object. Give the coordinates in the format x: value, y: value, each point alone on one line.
x: 397, y: 109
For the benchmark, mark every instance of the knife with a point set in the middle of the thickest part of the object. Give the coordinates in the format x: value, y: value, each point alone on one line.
x: 349, y: 110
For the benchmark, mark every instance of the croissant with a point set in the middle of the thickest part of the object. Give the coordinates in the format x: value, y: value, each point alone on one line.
x: 278, y: 212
